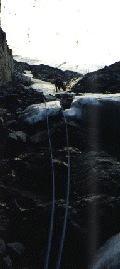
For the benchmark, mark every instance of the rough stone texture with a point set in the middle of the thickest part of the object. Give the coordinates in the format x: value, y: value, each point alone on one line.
x: 26, y: 177
x: 105, y: 80
x: 6, y: 60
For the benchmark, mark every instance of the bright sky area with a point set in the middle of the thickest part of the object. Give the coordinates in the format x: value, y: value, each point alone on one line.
x: 79, y: 31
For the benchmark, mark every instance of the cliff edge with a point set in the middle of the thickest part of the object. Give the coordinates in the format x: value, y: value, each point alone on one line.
x: 6, y: 59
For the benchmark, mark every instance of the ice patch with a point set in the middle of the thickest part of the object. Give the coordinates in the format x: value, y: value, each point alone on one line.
x: 73, y: 113
x: 39, y: 112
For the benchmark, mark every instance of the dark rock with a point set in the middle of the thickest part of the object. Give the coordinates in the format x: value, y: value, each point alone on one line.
x: 35, y: 173
x: 48, y: 73
x: 65, y: 99
x: 93, y: 111
x: 27, y: 176
x: 2, y: 247
x: 14, y: 256
x: 7, y: 263
x: 9, y: 101
x: 11, y: 123
x: 41, y: 136
x: 20, y: 78
x: 16, y: 248
x: 21, y: 66
x: 2, y: 100
x: 17, y: 135
x: 93, y: 214
x: 106, y: 80
x: 95, y: 173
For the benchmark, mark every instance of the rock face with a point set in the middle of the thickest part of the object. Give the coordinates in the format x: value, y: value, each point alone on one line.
x: 106, y: 80
x: 6, y: 60
x: 93, y: 127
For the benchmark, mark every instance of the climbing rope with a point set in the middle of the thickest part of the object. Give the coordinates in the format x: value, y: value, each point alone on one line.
x: 53, y: 198
x: 67, y: 199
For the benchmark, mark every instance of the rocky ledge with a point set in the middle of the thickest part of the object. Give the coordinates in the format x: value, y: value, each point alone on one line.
x: 27, y: 174
x: 105, y: 80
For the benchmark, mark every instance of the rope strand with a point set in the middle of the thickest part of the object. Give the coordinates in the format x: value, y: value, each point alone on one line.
x: 53, y: 198
x: 67, y: 200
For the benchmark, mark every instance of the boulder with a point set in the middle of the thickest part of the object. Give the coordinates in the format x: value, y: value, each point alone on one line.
x: 65, y: 99
x: 36, y: 115
x: 84, y: 109
x: 39, y: 112
x: 73, y: 113
x: 100, y: 114
x: 108, y: 255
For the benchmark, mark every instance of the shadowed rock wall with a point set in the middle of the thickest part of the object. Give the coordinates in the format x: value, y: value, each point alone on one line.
x: 6, y: 59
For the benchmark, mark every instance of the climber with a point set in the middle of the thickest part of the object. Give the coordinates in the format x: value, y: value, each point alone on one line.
x: 60, y: 84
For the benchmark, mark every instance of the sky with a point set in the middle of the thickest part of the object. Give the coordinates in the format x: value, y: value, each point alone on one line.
x: 79, y: 31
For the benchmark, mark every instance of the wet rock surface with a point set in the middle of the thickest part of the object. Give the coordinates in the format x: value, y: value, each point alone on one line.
x: 26, y: 175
